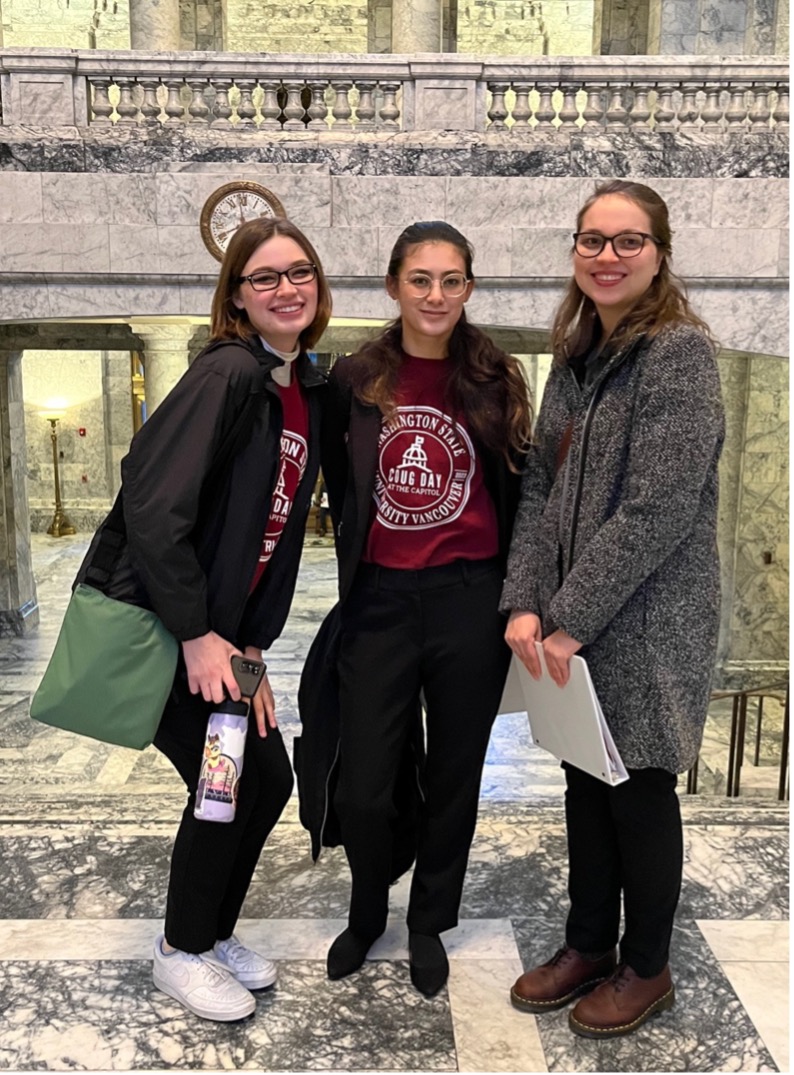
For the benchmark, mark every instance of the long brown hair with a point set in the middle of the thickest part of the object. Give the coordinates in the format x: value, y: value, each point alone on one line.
x: 486, y: 385
x: 227, y: 322
x: 665, y: 302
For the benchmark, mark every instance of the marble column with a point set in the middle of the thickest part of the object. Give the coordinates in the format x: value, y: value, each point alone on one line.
x: 19, y: 609
x: 116, y: 373
x: 154, y: 25
x: 165, y: 357
x: 416, y: 26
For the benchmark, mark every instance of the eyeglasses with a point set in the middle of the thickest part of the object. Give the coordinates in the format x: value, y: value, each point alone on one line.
x: 420, y: 284
x: 269, y: 279
x: 626, y: 244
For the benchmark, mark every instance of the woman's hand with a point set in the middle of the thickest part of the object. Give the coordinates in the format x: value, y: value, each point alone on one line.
x: 523, y: 631
x: 558, y: 649
x: 263, y: 703
x: 209, y: 670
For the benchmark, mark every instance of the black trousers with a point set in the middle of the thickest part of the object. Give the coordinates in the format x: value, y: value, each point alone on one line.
x: 438, y: 632
x: 212, y: 863
x: 625, y: 839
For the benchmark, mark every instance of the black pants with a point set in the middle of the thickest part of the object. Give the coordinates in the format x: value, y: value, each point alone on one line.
x: 628, y: 838
x: 213, y: 863
x: 435, y: 631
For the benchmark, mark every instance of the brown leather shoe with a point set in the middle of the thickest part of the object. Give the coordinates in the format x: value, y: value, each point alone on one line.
x: 566, y: 975
x: 622, y: 1004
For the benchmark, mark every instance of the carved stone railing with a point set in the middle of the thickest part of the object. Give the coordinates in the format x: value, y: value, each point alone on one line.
x: 355, y: 93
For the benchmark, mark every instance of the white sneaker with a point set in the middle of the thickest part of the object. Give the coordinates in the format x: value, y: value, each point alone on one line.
x: 206, y: 989
x: 249, y: 968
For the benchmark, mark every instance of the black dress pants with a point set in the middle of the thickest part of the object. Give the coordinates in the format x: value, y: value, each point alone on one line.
x: 438, y: 632
x: 212, y: 863
x: 625, y: 839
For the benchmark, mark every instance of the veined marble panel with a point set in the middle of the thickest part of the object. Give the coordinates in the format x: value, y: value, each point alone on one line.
x: 522, y: 202
x: 746, y: 319
x: 182, y: 250
x: 628, y: 153
x: 544, y: 252
x: 20, y: 198
x: 347, y: 251
x: 85, y: 248
x: 729, y: 251
x: 134, y: 248
x: 750, y: 203
x: 359, y: 201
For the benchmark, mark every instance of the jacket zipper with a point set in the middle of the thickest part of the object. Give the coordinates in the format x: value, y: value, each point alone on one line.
x: 588, y: 421
x: 327, y: 797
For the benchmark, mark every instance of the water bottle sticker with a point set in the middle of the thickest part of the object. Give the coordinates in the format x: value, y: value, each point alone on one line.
x: 218, y: 773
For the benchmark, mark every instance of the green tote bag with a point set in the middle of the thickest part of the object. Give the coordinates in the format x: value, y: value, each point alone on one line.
x: 110, y: 673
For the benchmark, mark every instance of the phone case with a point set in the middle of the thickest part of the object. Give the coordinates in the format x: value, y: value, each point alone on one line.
x: 248, y: 674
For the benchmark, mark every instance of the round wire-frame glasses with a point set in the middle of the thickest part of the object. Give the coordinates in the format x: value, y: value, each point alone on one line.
x: 452, y: 286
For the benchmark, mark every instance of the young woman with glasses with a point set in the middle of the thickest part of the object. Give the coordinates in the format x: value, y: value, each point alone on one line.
x: 426, y: 430
x: 614, y: 557
x: 212, y: 511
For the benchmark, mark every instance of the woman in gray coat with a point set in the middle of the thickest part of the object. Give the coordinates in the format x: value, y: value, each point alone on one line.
x: 614, y: 557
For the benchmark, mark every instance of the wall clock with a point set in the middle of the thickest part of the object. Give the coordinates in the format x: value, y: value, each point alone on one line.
x: 232, y: 205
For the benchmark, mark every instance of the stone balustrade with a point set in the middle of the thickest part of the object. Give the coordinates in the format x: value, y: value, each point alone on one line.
x: 360, y: 93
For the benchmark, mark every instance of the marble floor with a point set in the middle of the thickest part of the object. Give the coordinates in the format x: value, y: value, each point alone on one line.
x: 85, y: 832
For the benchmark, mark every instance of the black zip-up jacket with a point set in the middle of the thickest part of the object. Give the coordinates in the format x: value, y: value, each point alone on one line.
x: 350, y: 436
x: 195, y: 498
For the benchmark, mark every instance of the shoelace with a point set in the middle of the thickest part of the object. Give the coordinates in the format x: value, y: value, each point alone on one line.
x: 559, y: 955
x: 233, y: 949
x: 620, y: 978
x: 213, y: 973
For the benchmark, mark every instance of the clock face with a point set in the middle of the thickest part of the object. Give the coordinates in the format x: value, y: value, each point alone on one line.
x: 229, y: 207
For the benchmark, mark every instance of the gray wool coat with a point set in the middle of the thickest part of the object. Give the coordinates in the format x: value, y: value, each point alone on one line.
x: 639, y: 583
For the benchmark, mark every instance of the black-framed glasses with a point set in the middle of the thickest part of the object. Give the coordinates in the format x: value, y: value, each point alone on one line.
x: 269, y: 279
x: 626, y: 244
x: 421, y: 284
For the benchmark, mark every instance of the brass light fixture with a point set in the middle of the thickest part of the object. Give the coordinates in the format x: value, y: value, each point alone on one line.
x: 60, y: 525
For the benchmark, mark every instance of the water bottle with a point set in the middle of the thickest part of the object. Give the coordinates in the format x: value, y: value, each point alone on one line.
x: 222, y: 764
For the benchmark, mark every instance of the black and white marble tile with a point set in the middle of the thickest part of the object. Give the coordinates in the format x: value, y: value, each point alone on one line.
x: 85, y: 838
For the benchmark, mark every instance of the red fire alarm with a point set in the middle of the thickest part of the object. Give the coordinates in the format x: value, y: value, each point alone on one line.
x: 81, y: 431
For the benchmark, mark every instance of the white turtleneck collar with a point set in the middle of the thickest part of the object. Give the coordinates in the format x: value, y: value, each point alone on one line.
x: 282, y: 375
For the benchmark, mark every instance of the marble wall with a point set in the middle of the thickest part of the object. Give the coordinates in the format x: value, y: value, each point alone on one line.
x: 491, y: 27
x: 19, y: 612
x: 95, y: 387
x: 621, y: 27
x: 719, y: 27
x: 759, y: 621
x: 102, y: 24
x: 731, y: 239
x: 309, y: 26
x: 201, y: 25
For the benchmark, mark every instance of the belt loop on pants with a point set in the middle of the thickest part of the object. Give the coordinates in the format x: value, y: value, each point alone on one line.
x: 465, y: 572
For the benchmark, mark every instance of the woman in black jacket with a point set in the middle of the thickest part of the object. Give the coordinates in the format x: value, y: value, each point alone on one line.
x: 215, y: 493
x: 424, y: 435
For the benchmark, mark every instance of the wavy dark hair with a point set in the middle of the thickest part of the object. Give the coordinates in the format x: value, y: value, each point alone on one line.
x: 665, y: 302
x: 486, y: 386
x: 227, y: 322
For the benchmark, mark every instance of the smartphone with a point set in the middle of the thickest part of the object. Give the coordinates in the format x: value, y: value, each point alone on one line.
x: 248, y: 674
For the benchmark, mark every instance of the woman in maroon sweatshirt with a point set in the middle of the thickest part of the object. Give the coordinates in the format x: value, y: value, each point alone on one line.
x: 421, y: 451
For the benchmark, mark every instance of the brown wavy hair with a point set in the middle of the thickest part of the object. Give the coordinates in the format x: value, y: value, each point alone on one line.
x: 665, y: 302
x: 486, y: 385
x: 227, y: 322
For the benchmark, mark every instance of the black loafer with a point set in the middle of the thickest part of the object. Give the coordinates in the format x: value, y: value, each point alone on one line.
x: 428, y: 962
x: 347, y: 954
